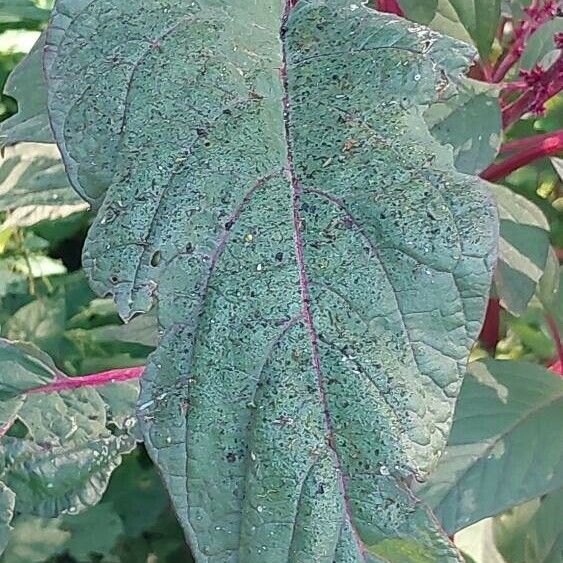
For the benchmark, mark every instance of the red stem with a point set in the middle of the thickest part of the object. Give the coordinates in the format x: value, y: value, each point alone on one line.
x: 530, y: 142
x: 490, y: 333
x: 389, y: 6
x: 530, y: 151
x: 523, y: 32
x: 103, y: 378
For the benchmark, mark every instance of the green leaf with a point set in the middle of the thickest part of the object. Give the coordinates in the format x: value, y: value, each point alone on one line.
x: 27, y: 85
x: 95, y: 531
x: 34, y: 185
x: 473, y: 20
x: 315, y: 324
x: 532, y: 533
x: 34, y: 540
x: 498, y: 455
x: 7, y: 501
x: 524, y: 249
x: 15, y: 11
x: 41, y: 322
x: 74, y: 438
x: 471, y: 123
x: 477, y: 543
x: 542, y: 44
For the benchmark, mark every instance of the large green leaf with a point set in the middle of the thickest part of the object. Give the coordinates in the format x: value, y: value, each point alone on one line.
x: 74, y: 438
x: 473, y: 20
x: 503, y: 445
x: 321, y: 270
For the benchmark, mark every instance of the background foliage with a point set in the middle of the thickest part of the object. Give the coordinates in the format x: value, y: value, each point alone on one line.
x: 503, y: 469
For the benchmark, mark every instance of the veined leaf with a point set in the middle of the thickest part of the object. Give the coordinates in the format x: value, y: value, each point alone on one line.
x: 74, y: 438
x: 321, y: 269
x: 497, y: 456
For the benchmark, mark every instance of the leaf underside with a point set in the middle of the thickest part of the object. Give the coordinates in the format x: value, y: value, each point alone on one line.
x: 320, y: 268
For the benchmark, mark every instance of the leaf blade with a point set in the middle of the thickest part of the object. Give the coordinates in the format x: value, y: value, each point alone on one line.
x: 246, y: 487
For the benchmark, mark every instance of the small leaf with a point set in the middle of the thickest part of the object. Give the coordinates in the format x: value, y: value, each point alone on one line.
x: 542, y: 44
x: 7, y: 502
x: 473, y: 20
x: 497, y: 457
x: 74, y: 438
x: 34, y: 540
x: 32, y: 174
x: 16, y: 11
x: 27, y: 85
x: 524, y: 249
x: 471, y: 123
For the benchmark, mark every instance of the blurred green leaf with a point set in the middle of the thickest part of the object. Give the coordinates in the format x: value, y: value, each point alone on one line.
x: 41, y: 322
x: 26, y: 84
x: 34, y: 540
x: 32, y: 174
x: 499, y: 454
x: 542, y: 43
x: 533, y: 532
x: 469, y: 20
x: 14, y: 11
x: 524, y: 249
x: 7, y: 502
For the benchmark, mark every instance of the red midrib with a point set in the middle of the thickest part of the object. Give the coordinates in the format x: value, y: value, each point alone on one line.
x: 305, y: 286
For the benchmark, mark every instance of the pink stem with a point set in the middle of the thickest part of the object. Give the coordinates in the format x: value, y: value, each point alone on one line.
x: 94, y: 380
x: 545, y: 139
x: 549, y: 85
x: 537, y: 14
x: 389, y: 6
x: 546, y: 147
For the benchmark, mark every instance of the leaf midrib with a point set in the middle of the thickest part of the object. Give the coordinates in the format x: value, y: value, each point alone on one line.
x: 297, y: 192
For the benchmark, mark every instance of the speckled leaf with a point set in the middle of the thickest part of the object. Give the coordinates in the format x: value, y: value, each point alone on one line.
x: 471, y: 123
x: 7, y: 501
x: 497, y: 456
x: 74, y: 439
x: 524, y: 249
x: 27, y: 85
x: 321, y: 269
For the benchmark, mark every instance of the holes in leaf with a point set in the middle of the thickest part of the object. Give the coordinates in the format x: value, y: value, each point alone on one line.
x: 156, y: 258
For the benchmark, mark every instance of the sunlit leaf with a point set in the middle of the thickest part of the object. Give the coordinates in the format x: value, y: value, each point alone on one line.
x: 315, y: 322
